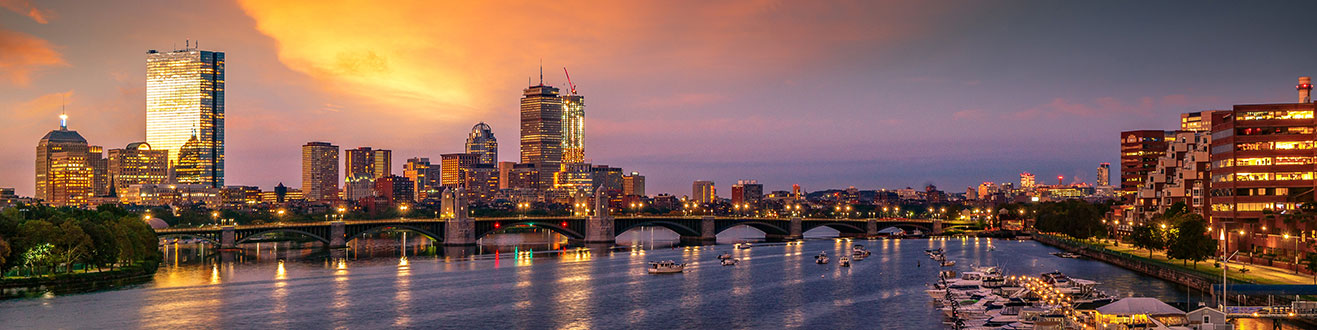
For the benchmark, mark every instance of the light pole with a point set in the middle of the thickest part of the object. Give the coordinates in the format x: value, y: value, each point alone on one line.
x: 1296, y: 253
x: 402, y: 210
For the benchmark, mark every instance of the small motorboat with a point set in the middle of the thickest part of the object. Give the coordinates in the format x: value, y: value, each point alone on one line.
x: 724, y: 256
x: 948, y: 263
x: 859, y: 251
x: 844, y: 262
x: 822, y: 258
x: 666, y: 267
x: 730, y: 262
x: 742, y: 245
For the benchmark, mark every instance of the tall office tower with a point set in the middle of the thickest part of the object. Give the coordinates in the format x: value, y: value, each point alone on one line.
x: 60, y: 178
x: 320, y: 171
x: 137, y: 163
x: 573, y: 128
x: 1027, y: 180
x: 481, y: 142
x: 505, y: 170
x: 541, y: 131
x: 703, y: 192
x: 633, y: 184
x: 1104, y: 174
x: 608, y: 177
x: 424, y: 175
x: 100, y: 171
x: 185, y: 99
x: 383, y: 163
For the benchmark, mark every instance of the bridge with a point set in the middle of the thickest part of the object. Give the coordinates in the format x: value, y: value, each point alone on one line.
x: 455, y: 228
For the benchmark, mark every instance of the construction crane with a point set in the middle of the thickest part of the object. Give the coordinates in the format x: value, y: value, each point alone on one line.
x: 569, y: 80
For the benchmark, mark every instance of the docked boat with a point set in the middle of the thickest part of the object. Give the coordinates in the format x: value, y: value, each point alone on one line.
x: 1066, y: 255
x: 666, y: 267
x: 729, y: 262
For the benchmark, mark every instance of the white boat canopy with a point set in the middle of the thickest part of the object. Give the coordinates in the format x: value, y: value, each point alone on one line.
x: 1140, y: 305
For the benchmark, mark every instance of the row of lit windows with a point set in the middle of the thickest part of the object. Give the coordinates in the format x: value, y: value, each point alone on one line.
x: 1296, y: 130
x: 1251, y: 207
x: 1280, y: 145
x: 1264, y: 161
x: 1279, y: 176
x: 1275, y: 115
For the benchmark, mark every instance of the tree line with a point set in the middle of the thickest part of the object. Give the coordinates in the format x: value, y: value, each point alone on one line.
x: 1182, y: 234
x: 38, y: 239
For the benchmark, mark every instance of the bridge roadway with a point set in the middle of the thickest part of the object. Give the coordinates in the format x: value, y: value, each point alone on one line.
x: 595, y: 229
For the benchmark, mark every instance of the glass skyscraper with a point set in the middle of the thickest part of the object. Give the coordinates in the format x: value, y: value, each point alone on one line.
x: 185, y: 97
x: 481, y: 141
x: 573, y: 129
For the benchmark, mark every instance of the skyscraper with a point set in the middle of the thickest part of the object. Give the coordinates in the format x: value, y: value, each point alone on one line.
x: 1027, y: 180
x: 383, y: 163
x: 633, y: 184
x: 424, y: 175
x: 1139, y: 151
x: 63, y: 176
x: 320, y: 171
x: 703, y: 192
x: 541, y: 131
x: 1104, y: 174
x: 481, y: 142
x: 190, y: 167
x: 360, y: 160
x: 751, y: 191
x: 138, y: 163
x: 573, y: 128
x: 185, y: 100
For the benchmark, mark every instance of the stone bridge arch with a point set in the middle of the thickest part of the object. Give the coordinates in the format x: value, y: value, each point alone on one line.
x: 844, y: 228
x: 769, y: 229
x: 681, y: 229
x: 206, y: 238
x: 355, y: 233
x: 483, y: 228
x: 243, y: 238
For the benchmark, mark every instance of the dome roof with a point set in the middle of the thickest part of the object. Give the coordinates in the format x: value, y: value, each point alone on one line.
x: 63, y: 135
x: 156, y: 223
x: 482, y: 130
x: 139, y: 146
x: 355, y: 177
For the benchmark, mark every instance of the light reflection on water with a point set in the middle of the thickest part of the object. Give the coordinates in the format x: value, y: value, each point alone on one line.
x: 367, y: 286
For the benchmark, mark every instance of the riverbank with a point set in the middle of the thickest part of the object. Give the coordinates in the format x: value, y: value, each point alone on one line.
x: 1196, y: 280
x: 70, y: 283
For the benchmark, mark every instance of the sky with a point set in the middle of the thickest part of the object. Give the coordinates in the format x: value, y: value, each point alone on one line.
x: 824, y: 94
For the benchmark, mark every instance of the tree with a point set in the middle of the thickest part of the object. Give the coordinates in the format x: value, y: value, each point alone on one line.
x: 1145, y: 236
x: 4, y: 252
x: 73, y: 244
x: 1191, y: 241
x: 1311, y: 262
x: 38, y: 255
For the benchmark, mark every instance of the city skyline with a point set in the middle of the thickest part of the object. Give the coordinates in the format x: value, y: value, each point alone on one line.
x: 909, y: 140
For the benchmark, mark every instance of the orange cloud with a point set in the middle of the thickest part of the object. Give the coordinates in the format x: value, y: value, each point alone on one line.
x: 465, y: 57
x: 22, y: 54
x: 44, y: 105
x: 27, y: 9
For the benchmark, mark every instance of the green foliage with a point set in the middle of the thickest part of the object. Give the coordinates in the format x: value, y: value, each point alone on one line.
x: 1146, y: 236
x: 1191, y: 241
x: 44, y: 239
x: 1075, y: 218
x: 4, y: 253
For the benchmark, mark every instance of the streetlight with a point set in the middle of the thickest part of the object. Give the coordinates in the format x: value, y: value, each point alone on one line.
x: 403, y: 210
x: 1296, y: 252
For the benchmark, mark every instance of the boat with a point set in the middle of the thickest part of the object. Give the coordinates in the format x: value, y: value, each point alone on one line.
x: 859, y: 252
x: 724, y: 256
x: 666, y: 267
x: 948, y: 263
x: 729, y: 262
x: 822, y: 258
x: 742, y: 245
x: 844, y: 262
x: 1066, y: 255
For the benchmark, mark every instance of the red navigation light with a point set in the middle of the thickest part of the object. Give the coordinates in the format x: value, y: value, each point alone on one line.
x: 564, y: 224
x: 496, y: 225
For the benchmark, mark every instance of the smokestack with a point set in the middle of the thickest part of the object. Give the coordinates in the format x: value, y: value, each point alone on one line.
x: 1305, y: 88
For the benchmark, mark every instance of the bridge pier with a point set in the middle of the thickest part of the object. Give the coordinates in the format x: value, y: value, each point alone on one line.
x: 599, y: 227
x: 337, y: 235
x: 871, y: 228
x: 460, y: 229
x: 795, y: 230
x: 708, y: 234
x: 228, y: 238
x: 937, y: 226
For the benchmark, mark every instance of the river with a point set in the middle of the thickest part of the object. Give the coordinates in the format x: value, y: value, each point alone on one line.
x: 297, y: 286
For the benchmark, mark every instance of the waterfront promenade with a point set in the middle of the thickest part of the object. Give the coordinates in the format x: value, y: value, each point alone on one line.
x: 1259, y: 274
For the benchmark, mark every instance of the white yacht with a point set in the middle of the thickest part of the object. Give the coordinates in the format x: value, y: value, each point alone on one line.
x: 666, y: 267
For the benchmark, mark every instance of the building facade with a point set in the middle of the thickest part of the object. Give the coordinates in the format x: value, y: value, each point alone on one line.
x: 1104, y: 174
x: 137, y: 163
x: 573, y: 128
x: 424, y: 175
x: 395, y: 189
x: 703, y: 192
x: 374, y: 162
x: 185, y: 101
x: 320, y: 171
x: 633, y: 184
x: 1027, y: 180
x: 63, y: 174
x: 1139, y: 152
x: 748, y: 192
x: 481, y: 142
x: 1181, y: 176
x: 541, y: 132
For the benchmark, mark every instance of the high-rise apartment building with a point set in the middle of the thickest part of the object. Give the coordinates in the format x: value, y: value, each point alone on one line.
x: 608, y: 177
x: 1027, y: 180
x: 395, y: 189
x: 1181, y: 176
x: 703, y: 192
x: 100, y: 171
x: 1139, y: 151
x: 573, y: 128
x: 505, y: 170
x: 137, y: 163
x: 481, y: 142
x: 320, y: 171
x: 377, y: 163
x: 541, y: 132
x: 451, y: 166
x: 633, y: 184
x: 383, y: 163
x: 185, y: 101
x: 1104, y: 174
